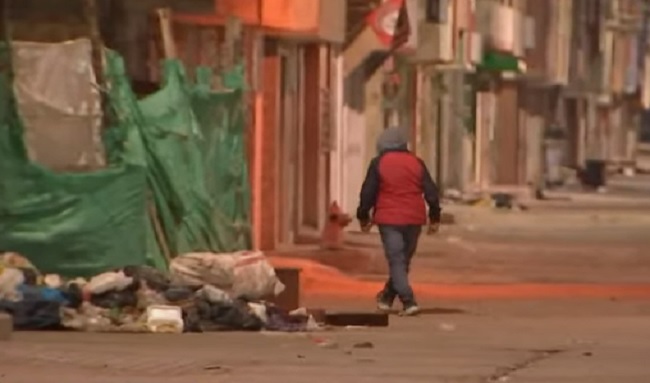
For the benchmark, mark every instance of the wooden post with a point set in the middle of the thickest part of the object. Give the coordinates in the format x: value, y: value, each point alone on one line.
x: 169, y: 45
x: 230, y: 54
x: 5, y: 62
x: 159, y: 231
x: 5, y: 37
x: 97, y: 55
x: 97, y: 45
x: 3, y: 19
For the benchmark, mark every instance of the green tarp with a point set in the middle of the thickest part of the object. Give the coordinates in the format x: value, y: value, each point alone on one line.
x: 179, y: 153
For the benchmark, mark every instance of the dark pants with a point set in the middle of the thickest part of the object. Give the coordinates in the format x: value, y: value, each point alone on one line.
x: 400, y: 243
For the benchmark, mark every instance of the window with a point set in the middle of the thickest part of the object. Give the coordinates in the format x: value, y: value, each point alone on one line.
x: 436, y: 11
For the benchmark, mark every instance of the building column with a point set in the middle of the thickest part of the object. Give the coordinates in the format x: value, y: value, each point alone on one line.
x: 265, y: 193
x: 353, y: 140
x: 338, y: 132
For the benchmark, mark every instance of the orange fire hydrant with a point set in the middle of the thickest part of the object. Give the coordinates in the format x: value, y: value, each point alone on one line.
x: 332, y: 235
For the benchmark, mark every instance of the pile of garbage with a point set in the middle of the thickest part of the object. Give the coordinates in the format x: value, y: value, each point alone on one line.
x: 201, y: 292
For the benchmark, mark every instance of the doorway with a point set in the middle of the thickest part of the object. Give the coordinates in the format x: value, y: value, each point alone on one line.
x: 507, y: 134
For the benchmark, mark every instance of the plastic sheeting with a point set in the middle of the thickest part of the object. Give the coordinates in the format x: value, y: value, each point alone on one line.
x: 178, y: 153
x: 59, y: 104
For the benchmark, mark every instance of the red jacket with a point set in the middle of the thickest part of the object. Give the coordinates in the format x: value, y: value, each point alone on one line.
x: 396, y: 187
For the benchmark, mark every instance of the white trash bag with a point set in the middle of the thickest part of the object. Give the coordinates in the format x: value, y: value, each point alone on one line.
x: 255, y: 277
x: 111, y: 281
x: 198, y: 269
x: 242, y: 274
x: 10, y: 279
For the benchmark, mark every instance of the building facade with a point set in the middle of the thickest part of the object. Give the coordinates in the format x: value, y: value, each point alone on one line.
x: 486, y: 88
x: 290, y: 48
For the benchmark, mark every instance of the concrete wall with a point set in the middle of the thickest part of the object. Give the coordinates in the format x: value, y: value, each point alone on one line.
x: 354, y: 149
x: 374, y: 114
x: 425, y: 140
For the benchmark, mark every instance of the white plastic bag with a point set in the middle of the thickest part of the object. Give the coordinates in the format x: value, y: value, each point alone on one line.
x: 254, y: 276
x: 16, y: 261
x: 10, y: 279
x: 259, y: 310
x: 53, y: 281
x: 112, y: 281
x: 198, y: 269
x: 242, y: 274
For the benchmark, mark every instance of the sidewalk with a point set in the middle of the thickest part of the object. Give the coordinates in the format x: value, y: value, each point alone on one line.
x: 324, y: 282
x: 621, y: 192
x: 497, y: 254
x: 473, y: 342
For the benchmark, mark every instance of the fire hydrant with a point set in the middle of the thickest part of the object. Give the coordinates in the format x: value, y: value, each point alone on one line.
x: 332, y: 235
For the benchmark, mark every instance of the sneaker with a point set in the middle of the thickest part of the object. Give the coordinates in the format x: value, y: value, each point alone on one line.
x: 410, y: 311
x: 383, y: 306
x: 383, y: 302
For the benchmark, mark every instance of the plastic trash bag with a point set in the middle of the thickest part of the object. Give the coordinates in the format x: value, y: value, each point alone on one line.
x: 31, y: 276
x: 178, y: 294
x: 53, y: 280
x: 213, y: 295
x: 73, y: 295
x: 112, y: 281
x: 234, y: 316
x: 116, y: 299
x: 254, y: 277
x: 244, y: 274
x: 198, y: 269
x: 15, y: 260
x: 40, y: 293
x: 38, y: 308
x: 154, y: 278
x: 10, y: 279
x: 33, y: 313
x: 147, y: 297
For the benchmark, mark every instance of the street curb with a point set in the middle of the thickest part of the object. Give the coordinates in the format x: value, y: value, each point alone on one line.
x: 6, y: 327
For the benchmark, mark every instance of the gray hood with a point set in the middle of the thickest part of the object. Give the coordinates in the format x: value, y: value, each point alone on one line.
x: 392, y: 139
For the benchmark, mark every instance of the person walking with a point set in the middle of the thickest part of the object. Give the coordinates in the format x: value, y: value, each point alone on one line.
x: 395, y: 189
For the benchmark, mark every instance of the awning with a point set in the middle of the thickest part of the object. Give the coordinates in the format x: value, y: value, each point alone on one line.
x: 494, y: 61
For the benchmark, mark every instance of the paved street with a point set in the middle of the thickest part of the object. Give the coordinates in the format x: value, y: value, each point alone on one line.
x: 485, y: 319
x: 528, y: 342
x: 173, y: 133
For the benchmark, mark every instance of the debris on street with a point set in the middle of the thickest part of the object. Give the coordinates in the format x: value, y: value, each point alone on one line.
x: 448, y: 327
x: 495, y: 200
x: 325, y: 343
x: 201, y: 292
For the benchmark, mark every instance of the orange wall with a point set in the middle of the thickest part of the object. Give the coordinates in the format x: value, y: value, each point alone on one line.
x: 297, y: 15
x: 291, y: 15
x: 247, y: 10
